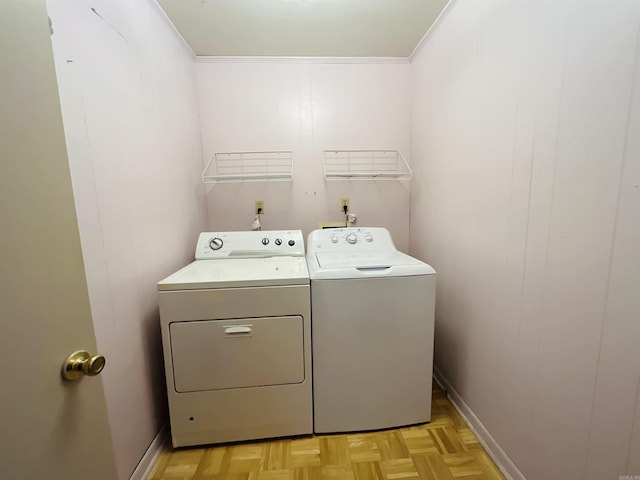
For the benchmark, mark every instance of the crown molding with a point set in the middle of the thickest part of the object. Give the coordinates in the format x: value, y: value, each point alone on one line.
x: 155, y: 6
x: 312, y: 60
x: 433, y: 29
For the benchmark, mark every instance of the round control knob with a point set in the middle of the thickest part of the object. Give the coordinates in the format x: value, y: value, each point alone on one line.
x: 351, y: 238
x: 334, y: 239
x: 215, y: 243
x: 265, y: 241
x: 368, y: 238
x: 278, y: 241
x: 292, y: 243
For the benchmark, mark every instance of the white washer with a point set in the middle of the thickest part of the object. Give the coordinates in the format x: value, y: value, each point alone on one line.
x: 373, y: 310
x: 236, y: 335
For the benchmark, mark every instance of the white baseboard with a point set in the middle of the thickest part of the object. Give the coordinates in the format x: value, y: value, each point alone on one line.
x: 143, y: 469
x: 495, y: 451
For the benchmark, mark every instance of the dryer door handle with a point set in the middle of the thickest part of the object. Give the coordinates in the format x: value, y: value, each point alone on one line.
x: 235, y: 329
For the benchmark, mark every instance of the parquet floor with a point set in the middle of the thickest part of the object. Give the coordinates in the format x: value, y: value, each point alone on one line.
x: 444, y: 449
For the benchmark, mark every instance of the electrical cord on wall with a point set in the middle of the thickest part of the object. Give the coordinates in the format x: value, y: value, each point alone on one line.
x: 257, y: 224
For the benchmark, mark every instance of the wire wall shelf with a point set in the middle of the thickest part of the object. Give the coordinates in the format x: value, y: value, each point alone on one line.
x: 249, y: 166
x: 365, y: 165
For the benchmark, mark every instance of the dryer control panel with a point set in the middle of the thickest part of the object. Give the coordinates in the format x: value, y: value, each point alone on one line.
x: 250, y: 244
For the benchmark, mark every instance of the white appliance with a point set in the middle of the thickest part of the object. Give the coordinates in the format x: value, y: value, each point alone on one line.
x: 236, y: 335
x: 372, y: 331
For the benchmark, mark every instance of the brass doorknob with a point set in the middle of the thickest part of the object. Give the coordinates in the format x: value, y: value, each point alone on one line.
x: 81, y: 363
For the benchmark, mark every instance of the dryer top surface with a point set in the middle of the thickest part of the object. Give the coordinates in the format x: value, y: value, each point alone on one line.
x: 238, y: 272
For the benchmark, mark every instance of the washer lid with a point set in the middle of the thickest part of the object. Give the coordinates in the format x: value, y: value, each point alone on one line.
x: 238, y: 272
x: 361, y: 260
x: 365, y: 264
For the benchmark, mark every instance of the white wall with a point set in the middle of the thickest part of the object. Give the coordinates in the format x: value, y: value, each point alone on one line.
x: 128, y: 99
x: 307, y: 108
x: 526, y: 148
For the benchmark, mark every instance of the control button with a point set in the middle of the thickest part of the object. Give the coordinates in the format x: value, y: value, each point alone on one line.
x: 215, y: 243
x: 351, y: 238
x: 292, y: 243
x: 368, y: 237
x: 278, y: 241
x: 334, y: 239
x: 265, y: 241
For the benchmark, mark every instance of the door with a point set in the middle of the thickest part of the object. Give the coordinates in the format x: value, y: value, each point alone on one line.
x: 49, y: 428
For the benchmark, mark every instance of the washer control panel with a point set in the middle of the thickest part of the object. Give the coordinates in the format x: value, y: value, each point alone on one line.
x: 349, y: 239
x: 250, y: 244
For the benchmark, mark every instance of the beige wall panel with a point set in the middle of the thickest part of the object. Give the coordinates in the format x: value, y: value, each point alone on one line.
x: 520, y: 121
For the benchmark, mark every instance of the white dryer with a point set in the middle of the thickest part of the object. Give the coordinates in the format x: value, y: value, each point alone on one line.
x: 372, y: 332
x: 236, y: 335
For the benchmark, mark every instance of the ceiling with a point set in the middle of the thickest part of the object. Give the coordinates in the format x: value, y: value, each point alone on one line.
x: 303, y: 28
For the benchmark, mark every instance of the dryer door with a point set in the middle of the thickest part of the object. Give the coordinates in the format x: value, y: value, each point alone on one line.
x: 239, y: 353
